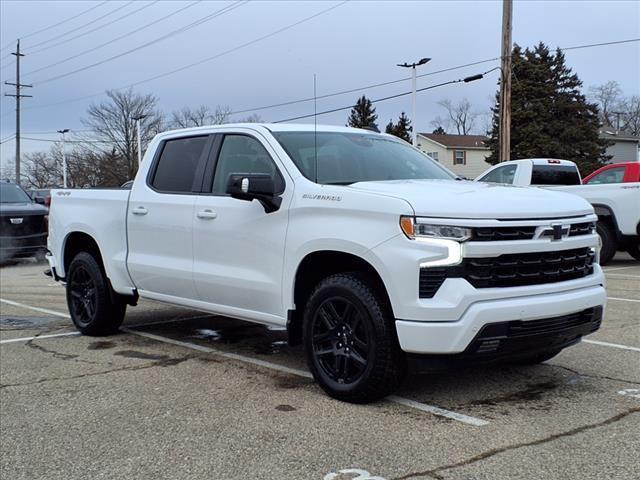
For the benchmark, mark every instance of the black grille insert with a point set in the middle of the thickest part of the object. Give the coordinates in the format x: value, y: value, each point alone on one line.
x: 431, y: 280
x: 493, y: 234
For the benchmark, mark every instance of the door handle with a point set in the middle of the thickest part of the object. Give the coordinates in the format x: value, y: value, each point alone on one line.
x: 139, y: 211
x: 207, y: 214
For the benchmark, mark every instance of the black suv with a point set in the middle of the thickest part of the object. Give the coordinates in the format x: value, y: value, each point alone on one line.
x: 23, y: 224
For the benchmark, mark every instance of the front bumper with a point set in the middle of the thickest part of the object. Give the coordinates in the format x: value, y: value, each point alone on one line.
x: 22, y: 246
x: 425, y: 337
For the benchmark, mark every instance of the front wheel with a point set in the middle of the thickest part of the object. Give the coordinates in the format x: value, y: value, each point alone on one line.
x: 609, y: 242
x: 93, y: 308
x: 350, y: 340
x: 634, y: 249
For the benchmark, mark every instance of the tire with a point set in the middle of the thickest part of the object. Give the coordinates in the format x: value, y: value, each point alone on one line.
x: 634, y: 249
x: 609, y: 242
x: 89, y: 298
x: 350, y: 340
x: 538, y: 358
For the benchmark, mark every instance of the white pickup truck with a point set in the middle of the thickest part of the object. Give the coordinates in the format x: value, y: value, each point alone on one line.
x: 616, y: 204
x: 366, y: 250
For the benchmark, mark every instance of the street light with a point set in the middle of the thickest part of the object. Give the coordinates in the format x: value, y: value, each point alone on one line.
x: 64, y: 158
x: 137, y: 119
x: 422, y: 61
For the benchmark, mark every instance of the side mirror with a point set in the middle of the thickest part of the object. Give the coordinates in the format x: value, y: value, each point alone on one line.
x: 259, y: 186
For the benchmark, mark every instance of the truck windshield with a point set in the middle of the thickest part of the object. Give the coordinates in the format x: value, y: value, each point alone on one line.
x: 345, y: 158
x: 10, y: 193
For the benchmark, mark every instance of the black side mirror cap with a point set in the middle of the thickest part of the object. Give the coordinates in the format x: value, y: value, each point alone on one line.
x: 258, y: 186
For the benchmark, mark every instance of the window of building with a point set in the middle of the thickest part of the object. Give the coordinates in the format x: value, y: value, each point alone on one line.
x: 459, y: 157
x: 434, y: 155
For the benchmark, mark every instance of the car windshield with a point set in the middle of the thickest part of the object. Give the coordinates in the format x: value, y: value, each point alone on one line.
x: 344, y: 158
x: 10, y: 193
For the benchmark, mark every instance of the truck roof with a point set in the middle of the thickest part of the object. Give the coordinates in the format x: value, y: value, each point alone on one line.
x: 273, y: 127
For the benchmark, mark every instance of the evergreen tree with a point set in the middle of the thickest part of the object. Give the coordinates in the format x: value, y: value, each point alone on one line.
x: 550, y: 117
x: 363, y: 115
x: 439, y: 131
x: 402, y: 129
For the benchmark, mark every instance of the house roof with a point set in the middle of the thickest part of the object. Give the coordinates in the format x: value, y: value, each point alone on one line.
x: 610, y: 133
x: 459, y: 141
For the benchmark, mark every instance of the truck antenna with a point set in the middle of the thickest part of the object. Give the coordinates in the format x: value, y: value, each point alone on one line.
x: 315, y: 129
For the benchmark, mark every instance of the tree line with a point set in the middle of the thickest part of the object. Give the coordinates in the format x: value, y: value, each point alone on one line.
x: 551, y: 117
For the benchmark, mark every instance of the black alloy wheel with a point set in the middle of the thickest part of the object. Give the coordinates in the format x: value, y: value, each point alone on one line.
x: 83, y: 296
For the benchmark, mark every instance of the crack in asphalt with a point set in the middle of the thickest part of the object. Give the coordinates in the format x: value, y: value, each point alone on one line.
x: 435, y: 472
x: 168, y: 362
x: 603, y: 377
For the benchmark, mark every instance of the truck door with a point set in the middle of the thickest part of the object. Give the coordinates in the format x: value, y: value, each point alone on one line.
x: 238, y: 248
x: 160, y: 218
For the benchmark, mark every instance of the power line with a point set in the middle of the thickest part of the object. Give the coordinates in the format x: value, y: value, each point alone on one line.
x: 383, y: 99
x: 75, y: 29
x: 602, y: 44
x: 217, y: 13
x: 112, y: 40
x: 55, y: 24
x: 99, y: 27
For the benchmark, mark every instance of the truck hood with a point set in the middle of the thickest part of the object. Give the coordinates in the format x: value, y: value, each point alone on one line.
x: 465, y: 199
x: 23, y: 209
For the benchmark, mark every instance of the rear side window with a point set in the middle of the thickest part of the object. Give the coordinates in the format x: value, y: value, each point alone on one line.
x: 504, y: 174
x: 555, y: 175
x: 177, y: 164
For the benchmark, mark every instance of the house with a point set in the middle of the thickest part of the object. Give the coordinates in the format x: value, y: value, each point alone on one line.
x: 625, y: 147
x: 463, y: 154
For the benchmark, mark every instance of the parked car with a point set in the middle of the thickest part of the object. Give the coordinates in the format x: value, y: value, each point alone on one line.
x: 370, y: 253
x: 628, y: 172
x: 533, y: 171
x: 616, y: 204
x: 41, y: 196
x: 23, y: 223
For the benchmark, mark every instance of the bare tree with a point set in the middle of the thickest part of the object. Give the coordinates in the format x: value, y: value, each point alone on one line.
x: 459, y: 117
x: 198, y: 117
x: 112, y: 123
x: 253, y: 118
x: 631, y: 115
x: 608, y: 97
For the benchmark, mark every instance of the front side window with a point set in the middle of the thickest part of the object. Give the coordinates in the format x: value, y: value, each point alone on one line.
x: 11, y: 193
x: 243, y: 154
x: 177, y: 164
x: 611, y: 175
x: 343, y: 158
x: 555, y: 175
x: 505, y: 174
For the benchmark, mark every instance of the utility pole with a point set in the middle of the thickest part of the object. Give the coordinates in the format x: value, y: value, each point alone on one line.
x: 137, y: 119
x: 17, y: 96
x: 505, y: 83
x: 414, y: 130
x: 64, y: 157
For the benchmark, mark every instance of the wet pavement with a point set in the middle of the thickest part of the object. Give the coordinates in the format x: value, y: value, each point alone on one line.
x: 182, y: 394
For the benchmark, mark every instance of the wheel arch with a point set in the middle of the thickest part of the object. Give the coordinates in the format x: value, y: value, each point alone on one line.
x: 319, y: 264
x: 605, y: 214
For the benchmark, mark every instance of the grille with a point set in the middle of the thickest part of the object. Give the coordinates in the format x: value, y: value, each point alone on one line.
x: 31, y: 224
x: 431, y: 280
x: 492, y: 234
x: 512, y: 270
x: 520, y: 328
x: 581, y: 229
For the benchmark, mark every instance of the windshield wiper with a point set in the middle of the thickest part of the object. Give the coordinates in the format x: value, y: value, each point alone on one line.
x: 340, y: 183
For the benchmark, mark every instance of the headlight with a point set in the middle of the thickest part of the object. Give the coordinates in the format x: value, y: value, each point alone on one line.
x: 414, y: 229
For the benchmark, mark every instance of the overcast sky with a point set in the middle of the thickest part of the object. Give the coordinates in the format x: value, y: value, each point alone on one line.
x: 356, y: 44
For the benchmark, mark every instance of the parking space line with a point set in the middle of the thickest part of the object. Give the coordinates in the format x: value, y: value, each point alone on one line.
x: 621, y: 275
x: 613, y: 345
x: 303, y: 373
x: 38, y: 337
x: 624, y: 299
x: 37, y: 309
x: 613, y: 269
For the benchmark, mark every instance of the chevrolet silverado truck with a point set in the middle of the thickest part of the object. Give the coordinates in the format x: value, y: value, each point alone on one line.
x: 617, y: 205
x: 370, y: 253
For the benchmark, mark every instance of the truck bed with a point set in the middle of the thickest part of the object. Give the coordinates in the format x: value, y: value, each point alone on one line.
x: 100, y: 213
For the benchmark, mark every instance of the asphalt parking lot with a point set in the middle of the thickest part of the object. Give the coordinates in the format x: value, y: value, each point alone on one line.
x: 182, y: 394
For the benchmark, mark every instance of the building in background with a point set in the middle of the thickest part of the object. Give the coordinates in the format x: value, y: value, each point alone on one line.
x: 625, y: 148
x: 463, y: 154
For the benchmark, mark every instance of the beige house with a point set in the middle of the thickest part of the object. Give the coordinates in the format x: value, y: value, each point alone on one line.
x: 463, y: 154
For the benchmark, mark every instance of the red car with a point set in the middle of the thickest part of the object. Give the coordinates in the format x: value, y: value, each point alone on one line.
x: 615, y: 173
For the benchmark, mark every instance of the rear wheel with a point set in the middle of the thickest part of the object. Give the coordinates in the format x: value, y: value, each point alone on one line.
x: 93, y: 308
x: 609, y: 242
x: 350, y: 340
x: 634, y: 249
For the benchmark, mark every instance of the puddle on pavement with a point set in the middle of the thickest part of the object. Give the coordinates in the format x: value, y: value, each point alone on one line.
x: 24, y: 322
x: 140, y: 355
x: 100, y: 345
